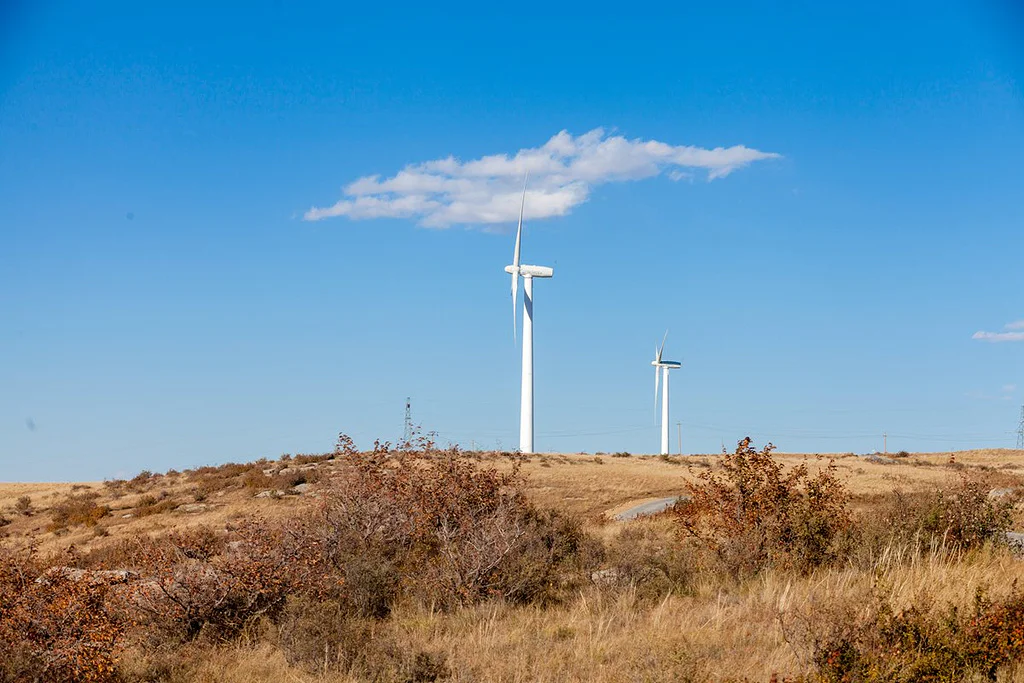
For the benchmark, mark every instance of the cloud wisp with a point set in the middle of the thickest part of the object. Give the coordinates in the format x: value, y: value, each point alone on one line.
x: 1011, y: 332
x: 563, y: 171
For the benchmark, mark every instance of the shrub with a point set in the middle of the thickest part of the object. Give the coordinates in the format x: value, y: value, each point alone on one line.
x: 438, y: 527
x: 960, y: 516
x: 77, y: 509
x: 756, y: 514
x: 154, y: 505
x: 23, y: 506
x: 53, y: 625
x: 645, y: 557
x: 200, y: 583
x: 921, y: 643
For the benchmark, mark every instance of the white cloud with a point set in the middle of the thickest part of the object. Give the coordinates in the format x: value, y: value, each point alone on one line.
x: 999, y: 336
x: 563, y: 171
x: 1005, y: 336
x: 1005, y: 394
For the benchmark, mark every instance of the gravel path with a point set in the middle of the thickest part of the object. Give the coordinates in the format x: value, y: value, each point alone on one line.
x: 650, y: 508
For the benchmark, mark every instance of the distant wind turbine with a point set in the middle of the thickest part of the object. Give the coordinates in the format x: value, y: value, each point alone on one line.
x: 663, y: 366
x: 527, y: 273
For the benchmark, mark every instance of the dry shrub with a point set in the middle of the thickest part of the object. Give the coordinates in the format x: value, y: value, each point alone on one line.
x: 23, y: 506
x: 54, y: 626
x: 958, y: 516
x: 432, y: 525
x: 756, y: 514
x: 920, y: 643
x: 76, y: 509
x: 154, y: 505
x: 196, y: 582
x: 257, y: 480
x: 286, y: 480
x: 305, y: 459
x: 646, y: 557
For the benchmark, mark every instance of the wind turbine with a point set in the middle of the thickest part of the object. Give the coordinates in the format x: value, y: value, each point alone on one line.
x: 528, y: 273
x: 663, y: 366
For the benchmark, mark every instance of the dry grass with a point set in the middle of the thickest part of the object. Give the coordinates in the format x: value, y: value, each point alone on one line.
x: 576, y: 484
x: 713, y: 629
x: 719, y: 632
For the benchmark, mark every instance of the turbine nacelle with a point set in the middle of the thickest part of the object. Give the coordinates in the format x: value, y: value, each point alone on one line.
x: 670, y: 364
x: 530, y: 271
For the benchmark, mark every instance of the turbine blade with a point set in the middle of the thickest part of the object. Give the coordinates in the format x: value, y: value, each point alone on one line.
x: 660, y: 350
x: 519, y: 229
x: 657, y: 377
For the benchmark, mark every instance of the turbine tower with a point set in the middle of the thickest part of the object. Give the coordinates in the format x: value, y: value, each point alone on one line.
x: 662, y: 366
x: 528, y: 273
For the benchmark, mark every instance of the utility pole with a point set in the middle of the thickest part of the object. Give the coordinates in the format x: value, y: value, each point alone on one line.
x: 408, y: 420
x: 885, y: 443
x: 1020, y: 430
x: 679, y: 437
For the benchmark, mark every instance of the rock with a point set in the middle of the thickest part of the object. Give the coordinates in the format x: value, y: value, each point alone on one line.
x: 94, y: 577
x: 605, y: 577
x: 301, y: 488
x: 127, y: 516
x: 1001, y: 493
x: 192, y: 508
x: 270, y: 493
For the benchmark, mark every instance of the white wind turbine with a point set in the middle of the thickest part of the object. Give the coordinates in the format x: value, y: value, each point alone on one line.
x: 663, y: 366
x: 527, y: 273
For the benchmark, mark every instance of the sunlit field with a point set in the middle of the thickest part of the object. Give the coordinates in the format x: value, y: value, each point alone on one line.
x: 423, y: 564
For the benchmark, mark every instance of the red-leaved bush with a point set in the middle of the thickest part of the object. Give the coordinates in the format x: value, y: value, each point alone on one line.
x: 55, y: 625
x: 758, y: 514
x: 430, y: 524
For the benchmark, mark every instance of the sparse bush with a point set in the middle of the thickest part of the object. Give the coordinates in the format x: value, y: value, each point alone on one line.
x: 201, y: 584
x: 23, y: 506
x: 140, y: 480
x: 154, y: 505
x: 54, y: 626
x: 919, y: 643
x: 959, y: 516
x: 435, y: 526
x: 756, y: 514
x: 77, y: 509
x: 646, y: 557
x: 256, y: 479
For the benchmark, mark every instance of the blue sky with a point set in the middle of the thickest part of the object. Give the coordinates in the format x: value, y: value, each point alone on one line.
x: 164, y: 303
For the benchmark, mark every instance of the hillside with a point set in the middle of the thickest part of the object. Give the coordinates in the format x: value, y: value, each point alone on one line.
x: 585, y: 485
x: 426, y: 565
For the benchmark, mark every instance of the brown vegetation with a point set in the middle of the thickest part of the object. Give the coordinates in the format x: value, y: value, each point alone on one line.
x: 420, y: 564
